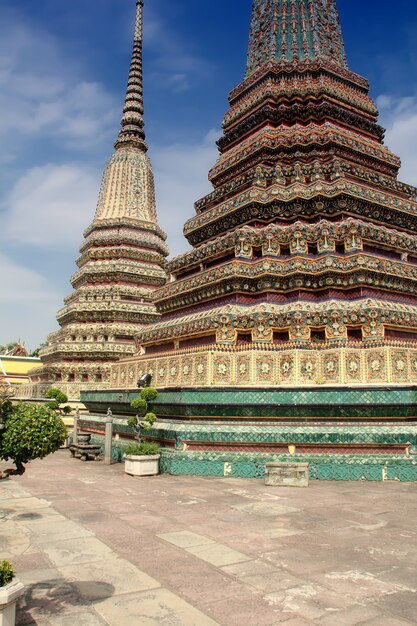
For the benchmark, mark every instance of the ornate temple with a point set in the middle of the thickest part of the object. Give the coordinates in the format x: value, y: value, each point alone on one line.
x: 304, y: 261
x: 295, y: 313
x: 122, y: 261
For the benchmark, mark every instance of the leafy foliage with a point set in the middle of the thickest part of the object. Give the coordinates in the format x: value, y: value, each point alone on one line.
x: 142, y: 406
x: 149, y: 419
x: 58, y: 398
x: 8, y: 347
x: 145, y: 448
x: 37, y: 350
x: 32, y: 432
x: 149, y: 394
x: 6, y: 573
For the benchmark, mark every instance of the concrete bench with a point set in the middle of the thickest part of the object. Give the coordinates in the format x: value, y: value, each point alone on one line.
x: 286, y: 474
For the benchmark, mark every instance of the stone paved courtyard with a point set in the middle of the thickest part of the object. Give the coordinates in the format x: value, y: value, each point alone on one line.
x: 94, y: 546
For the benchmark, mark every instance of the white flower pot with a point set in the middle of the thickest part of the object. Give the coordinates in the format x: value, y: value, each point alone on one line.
x: 143, y: 465
x: 8, y: 598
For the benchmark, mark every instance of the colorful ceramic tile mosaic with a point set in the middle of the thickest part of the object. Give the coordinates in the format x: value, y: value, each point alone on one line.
x: 304, y: 261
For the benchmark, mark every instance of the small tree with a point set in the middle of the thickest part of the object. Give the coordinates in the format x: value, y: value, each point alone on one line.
x: 145, y: 418
x: 37, y: 350
x: 32, y: 431
x: 58, y: 398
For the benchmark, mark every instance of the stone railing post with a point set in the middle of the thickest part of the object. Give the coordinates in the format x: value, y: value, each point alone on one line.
x: 108, y: 459
x: 75, y: 432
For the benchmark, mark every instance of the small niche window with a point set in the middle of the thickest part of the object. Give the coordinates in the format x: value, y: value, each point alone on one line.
x: 285, y: 251
x: 256, y: 252
x: 243, y: 338
x: 71, y: 378
x: 318, y: 336
x: 354, y: 334
x: 312, y: 248
x: 281, y: 336
x: 340, y: 247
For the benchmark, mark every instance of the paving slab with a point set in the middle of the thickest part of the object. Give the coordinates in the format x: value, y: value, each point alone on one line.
x: 91, y: 579
x: 186, y: 539
x: 97, y: 548
x: 152, y: 608
x: 218, y: 554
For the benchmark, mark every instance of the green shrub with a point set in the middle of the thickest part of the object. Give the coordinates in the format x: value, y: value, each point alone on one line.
x: 140, y: 405
x: 32, y: 431
x: 145, y: 448
x: 132, y: 422
x: 6, y: 573
x: 149, y: 420
x: 149, y: 394
x: 144, y: 419
x: 58, y: 398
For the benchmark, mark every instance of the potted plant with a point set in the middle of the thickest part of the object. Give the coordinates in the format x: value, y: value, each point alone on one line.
x: 10, y: 590
x: 142, y: 457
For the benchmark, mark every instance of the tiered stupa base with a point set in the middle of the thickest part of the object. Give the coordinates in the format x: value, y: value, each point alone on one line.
x: 345, y: 430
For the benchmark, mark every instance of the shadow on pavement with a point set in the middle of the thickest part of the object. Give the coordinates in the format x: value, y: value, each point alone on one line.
x: 55, y: 596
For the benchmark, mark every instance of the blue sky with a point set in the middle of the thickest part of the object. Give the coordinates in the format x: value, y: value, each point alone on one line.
x: 63, y: 71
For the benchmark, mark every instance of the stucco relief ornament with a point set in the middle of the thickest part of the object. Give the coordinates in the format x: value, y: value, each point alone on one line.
x: 330, y: 367
x: 221, y: 369
x: 286, y: 366
x: 309, y: 367
x: 174, y: 370
x: 265, y: 368
x: 353, y: 366
x: 161, y: 372
x: 186, y: 370
x: 200, y: 368
x: 243, y: 248
x: 243, y: 368
x: 400, y: 365
x: 376, y: 365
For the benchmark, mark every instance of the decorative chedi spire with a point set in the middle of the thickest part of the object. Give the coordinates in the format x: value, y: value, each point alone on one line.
x: 132, y: 131
x: 287, y: 31
x: 134, y: 198
x: 307, y: 245
x: 122, y: 260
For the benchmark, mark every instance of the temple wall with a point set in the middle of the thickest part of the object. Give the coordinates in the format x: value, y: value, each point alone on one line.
x: 263, y: 367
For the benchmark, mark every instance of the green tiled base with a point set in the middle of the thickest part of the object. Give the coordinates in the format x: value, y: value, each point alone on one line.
x: 282, y: 404
x: 343, y: 433
x: 247, y: 464
x: 321, y: 467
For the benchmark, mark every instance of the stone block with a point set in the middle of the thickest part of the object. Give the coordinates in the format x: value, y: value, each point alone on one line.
x: 286, y: 474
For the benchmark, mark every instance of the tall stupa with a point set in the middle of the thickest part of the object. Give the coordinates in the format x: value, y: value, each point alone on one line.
x: 122, y: 261
x: 290, y: 328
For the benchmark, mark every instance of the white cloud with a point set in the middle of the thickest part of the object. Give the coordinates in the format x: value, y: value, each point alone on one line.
x: 181, y: 179
x: 399, y: 116
x: 40, y: 100
x: 27, y: 304
x: 50, y: 206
